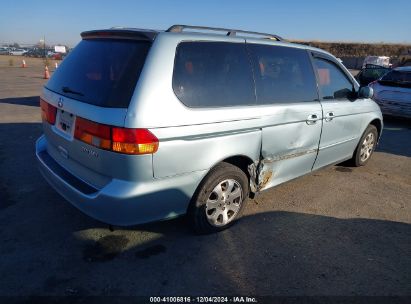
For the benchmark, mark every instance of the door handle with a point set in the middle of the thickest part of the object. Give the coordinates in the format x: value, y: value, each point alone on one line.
x: 329, y: 116
x: 312, y: 119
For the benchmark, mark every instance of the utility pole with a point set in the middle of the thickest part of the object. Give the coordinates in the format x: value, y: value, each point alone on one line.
x: 44, y: 46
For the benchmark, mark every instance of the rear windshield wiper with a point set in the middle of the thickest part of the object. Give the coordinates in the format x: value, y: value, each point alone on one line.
x: 68, y: 90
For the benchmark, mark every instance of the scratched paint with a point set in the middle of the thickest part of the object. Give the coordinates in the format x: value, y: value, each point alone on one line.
x: 261, y: 172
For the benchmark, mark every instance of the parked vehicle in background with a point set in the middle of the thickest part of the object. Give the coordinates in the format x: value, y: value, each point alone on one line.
x: 371, y: 73
x: 405, y: 60
x: 383, y: 61
x: 36, y: 53
x: 393, y: 92
x: 17, y: 52
x: 58, y: 56
x: 50, y: 54
x: 4, y: 51
x: 143, y: 125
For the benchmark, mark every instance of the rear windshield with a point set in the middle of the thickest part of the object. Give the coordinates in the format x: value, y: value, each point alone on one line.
x: 374, y: 73
x: 101, y: 72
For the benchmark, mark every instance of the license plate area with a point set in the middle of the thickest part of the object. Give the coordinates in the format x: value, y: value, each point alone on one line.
x: 65, y: 123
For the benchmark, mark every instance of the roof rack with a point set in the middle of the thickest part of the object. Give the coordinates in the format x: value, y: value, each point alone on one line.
x: 178, y: 28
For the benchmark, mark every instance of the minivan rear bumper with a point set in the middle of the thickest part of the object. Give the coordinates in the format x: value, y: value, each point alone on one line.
x: 121, y: 202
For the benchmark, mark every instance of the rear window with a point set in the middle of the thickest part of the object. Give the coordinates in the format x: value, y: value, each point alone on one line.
x: 373, y: 73
x: 101, y: 72
x: 213, y: 74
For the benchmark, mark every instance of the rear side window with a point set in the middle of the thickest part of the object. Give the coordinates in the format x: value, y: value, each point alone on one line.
x: 332, y: 81
x: 101, y: 72
x: 213, y: 74
x: 282, y: 74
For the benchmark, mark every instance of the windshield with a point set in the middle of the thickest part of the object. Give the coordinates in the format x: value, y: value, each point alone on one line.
x: 397, y: 78
x: 102, y: 72
x: 374, y: 73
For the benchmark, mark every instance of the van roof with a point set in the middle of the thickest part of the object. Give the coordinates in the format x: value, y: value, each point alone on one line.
x: 179, y: 28
x: 192, y: 31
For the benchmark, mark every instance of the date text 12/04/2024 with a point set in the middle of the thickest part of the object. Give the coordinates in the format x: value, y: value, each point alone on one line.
x: 239, y: 299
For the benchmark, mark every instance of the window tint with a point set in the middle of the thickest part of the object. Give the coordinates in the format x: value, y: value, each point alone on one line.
x: 213, y: 74
x: 373, y: 73
x: 102, y: 72
x: 368, y: 75
x: 282, y: 74
x: 332, y: 81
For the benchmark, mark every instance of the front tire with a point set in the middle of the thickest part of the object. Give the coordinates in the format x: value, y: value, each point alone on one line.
x: 365, y: 147
x: 219, y: 199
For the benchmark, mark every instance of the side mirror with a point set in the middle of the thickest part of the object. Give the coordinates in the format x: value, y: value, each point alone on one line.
x: 365, y: 92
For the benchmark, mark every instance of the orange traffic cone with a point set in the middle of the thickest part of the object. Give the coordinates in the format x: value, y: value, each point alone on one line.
x: 23, y: 64
x: 46, y: 72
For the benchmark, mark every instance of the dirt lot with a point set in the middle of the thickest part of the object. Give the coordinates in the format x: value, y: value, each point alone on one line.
x: 338, y: 231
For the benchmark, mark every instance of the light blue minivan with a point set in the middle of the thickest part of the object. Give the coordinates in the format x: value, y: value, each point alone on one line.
x: 144, y: 125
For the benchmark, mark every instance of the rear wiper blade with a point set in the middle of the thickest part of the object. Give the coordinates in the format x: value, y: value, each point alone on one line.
x: 68, y: 90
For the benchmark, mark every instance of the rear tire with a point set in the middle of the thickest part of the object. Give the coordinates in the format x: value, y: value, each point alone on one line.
x: 366, y: 146
x: 219, y: 199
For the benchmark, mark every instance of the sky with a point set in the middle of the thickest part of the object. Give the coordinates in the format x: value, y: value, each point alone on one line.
x: 61, y: 22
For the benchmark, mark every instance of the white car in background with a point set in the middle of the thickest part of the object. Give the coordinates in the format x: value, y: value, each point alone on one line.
x: 18, y: 52
x: 392, y: 92
x: 4, y: 51
x: 383, y: 61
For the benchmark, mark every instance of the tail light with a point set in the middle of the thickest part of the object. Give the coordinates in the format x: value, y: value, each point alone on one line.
x: 48, y: 112
x: 92, y: 133
x: 121, y: 140
x: 134, y: 141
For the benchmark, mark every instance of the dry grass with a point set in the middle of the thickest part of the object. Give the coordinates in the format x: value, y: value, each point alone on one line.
x: 16, y: 61
x: 346, y: 49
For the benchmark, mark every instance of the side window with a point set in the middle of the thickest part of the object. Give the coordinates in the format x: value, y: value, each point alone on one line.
x: 282, y: 74
x: 333, y: 83
x: 213, y: 74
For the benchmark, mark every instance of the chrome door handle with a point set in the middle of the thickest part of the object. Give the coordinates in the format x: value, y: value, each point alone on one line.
x: 312, y: 119
x: 329, y: 116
